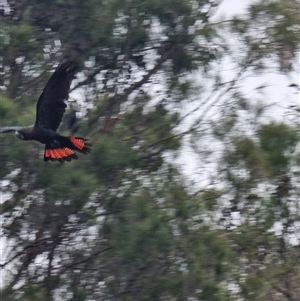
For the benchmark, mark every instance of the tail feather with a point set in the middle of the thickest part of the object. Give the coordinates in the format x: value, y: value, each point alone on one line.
x: 80, y: 144
x: 59, y: 154
x: 66, y: 150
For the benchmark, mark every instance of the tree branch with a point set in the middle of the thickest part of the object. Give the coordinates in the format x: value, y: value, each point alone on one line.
x: 69, y: 266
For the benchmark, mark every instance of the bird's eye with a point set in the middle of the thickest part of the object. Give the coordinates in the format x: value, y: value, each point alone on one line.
x: 19, y: 135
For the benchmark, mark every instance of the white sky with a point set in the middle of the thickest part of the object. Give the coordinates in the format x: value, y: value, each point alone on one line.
x: 278, y: 91
x: 229, y: 8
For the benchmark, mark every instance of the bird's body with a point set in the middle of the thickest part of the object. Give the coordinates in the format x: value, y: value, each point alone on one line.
x: 50, y: 110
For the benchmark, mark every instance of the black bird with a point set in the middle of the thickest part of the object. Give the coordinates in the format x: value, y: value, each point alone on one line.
x: 50, y: 109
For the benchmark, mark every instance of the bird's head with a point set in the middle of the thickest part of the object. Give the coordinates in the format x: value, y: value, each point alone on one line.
x: 19, y: 135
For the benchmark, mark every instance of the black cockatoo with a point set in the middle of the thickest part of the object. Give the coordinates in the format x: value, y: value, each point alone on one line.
x: 49, y: 112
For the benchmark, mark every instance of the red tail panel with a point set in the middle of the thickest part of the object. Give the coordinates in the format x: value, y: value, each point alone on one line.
x: 80, y: 144
x: 77, y: 142
x: 66, y: 150
x: 59, y: 154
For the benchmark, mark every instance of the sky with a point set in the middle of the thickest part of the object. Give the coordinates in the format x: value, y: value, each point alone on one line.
x: 279, y: 90
x: 278, y: 93
x: 229, y: 8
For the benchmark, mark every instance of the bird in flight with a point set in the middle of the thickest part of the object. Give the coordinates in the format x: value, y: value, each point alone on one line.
x: 50, y: 109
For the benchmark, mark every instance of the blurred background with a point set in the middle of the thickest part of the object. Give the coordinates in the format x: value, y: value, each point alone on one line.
x: 192, y: 188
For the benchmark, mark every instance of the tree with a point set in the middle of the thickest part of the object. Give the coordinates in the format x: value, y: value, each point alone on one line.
x: 124, y: 223
x: 100, y: 223
x: 262, y: 190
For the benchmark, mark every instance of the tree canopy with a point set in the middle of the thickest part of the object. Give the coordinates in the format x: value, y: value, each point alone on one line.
x: 125, y: 222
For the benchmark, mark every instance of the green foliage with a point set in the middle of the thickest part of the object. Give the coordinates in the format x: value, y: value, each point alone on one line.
x: 20, y: 37
x: 271, y: 157
x: 209, y: 198
x: 283, y: 33
x: 277, y: 142
x: 252, y: 286
x: 249, y: 155
x: 183, y: 61
x: 143, y: 232
x: 167, y: 9
x: 32, y: 292
x: 110, y: 156
x: 123, y: 223
x: 6, y: 106
x: 18, y: 40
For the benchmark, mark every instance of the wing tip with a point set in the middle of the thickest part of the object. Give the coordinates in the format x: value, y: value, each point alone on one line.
x: 67, y: 65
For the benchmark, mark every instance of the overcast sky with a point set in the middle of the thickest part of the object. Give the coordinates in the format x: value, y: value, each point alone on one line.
x: 229, y: 8
x: 278, y: 91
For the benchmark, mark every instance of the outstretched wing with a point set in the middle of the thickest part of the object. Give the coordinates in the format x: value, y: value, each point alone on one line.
x: 8, y: 129
x: 51, y: 106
